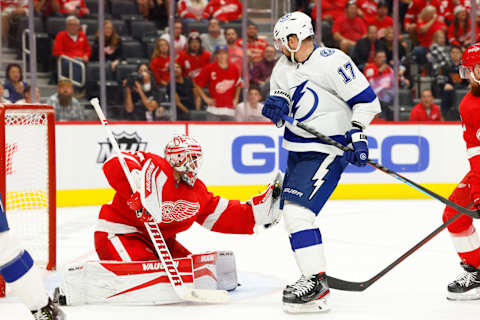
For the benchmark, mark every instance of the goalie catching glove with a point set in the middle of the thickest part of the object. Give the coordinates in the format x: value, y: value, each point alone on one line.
x: 266, y: 206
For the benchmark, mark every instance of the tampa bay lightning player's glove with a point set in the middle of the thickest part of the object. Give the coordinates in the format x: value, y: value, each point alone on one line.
x: 277, y: 105
x: 359, y: 155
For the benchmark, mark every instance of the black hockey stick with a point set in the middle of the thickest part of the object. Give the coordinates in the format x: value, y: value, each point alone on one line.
x: 471, y: 213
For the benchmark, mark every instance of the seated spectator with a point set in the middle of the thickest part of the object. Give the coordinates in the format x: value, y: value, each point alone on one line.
x: 187, y: 97
x: 73, y: 7
x: 27, y: 94
x: 438, y: 55
x: 67, y: 107
x: 382, y: 20
x: 263, y: 69
x: 224, y: 88
x: 180, y: 39
x: 380, y: 76
x: 330, y: 10
x: 142, y: 96
x: 11, y: 11
x: 365, y: 48
x: 191, y: 10
x: 387, y: 45
x: 2, y: 98
x: 413, y: 12
x: 368, y: 10
x: 252, y: 110
x: 72, y: 43
x: 426, y: 110
x: 214, y: 37
x: 235, y: 53
x: 14, y: 85
x: 255, y: 45
x: 224, y: 10
x: 112, y: 50
x: 46, y: 8
x: 459, y: 33
x: 159, y: 64
x: 194, y: 58
x: 349, y: 28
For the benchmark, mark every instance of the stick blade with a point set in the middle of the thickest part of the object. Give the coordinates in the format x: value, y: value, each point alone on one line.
x: 343, y: 285
x: 206, y: 296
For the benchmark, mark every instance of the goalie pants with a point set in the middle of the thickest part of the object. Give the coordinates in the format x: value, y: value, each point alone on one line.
x: 132, y: 247
x: 464, y: 236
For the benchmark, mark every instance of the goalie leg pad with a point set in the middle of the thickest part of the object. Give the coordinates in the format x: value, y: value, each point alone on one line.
x: 215, y: 270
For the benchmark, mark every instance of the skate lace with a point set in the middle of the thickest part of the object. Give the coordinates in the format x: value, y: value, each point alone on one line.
x: 304, y: 287
x: 467, y: 278
x: 299, y: 283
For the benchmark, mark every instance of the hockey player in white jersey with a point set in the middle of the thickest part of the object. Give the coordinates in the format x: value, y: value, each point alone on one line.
x: 19, y: 272
x: 323, y: 88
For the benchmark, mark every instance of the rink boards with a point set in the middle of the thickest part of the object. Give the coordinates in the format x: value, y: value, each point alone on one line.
x: 240, y: 159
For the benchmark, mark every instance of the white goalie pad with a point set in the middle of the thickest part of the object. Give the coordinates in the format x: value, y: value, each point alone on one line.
x: 152, y: 181
x: 145, y: 282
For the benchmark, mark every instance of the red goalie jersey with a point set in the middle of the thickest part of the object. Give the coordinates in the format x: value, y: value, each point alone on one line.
x: 120, y: 235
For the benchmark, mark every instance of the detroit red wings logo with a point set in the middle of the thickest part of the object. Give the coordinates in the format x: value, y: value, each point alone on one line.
x: 179, y: 210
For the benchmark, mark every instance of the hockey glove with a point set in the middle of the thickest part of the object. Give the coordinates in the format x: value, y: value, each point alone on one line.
x: 135, y: 204
x: 359, y: 155
x: 277, y: 105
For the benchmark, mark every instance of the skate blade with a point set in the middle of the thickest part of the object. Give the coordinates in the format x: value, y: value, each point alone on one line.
x: 473, y: 294
x: 319, y: 305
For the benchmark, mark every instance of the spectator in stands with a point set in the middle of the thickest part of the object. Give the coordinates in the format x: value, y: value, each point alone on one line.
x: 180, y: 39
x: 331, y: 10
x: 348, y: 29
x: 426, y: 110
x: 11, y: 10
x: 263, y: 69
x: 67, y: 107
x: 224, y: 86
x: 159, y: 64
x: 365, y: 48
x: 73, y: 7
x: 46, y: 8
x: 214, y: 37
x: 72, y: 43
x: 194, y: 58
x: 142, y: 96
x: 252, y: 110
x: 413, y: 12
x: 380, y: 76
x: 382, y: 19
x: 438, y: 54
x: 112, y: 49
x: 387, y: 44
x: 2, y: 98
x: 191, y: 10
x: 187, y: 97
x: 459, y: 33
x: 224, y: 10
x: 27, y: 94
x: 235, y: 53
x: 14, y: 85
x: 156, y: 11
x: 255, y: 45
x: 367, y: 9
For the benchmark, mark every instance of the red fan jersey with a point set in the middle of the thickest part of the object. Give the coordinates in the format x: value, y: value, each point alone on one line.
x: 369, y: 9
x: 223, y: 10
x: 470, y: 114
x: 182, y: 205
x: 192, y: 64
x: 416, y: 6
x: 70, y: 6
x: 160, y: 68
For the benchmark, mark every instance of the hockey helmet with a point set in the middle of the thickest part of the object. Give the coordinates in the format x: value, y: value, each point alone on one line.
x: 297, y: 23
x: 184, y: 154
x: 470, y: 58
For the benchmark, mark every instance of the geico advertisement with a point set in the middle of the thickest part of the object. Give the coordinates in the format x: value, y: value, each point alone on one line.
x: 251, y: 154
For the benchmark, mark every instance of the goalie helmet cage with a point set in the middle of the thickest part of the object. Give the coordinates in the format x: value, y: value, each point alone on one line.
x: 27, y: 179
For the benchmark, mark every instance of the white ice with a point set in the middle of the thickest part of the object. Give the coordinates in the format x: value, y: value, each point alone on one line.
x: 360, y: 237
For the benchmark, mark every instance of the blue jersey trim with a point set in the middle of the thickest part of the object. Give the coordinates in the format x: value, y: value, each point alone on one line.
x: 292, y: 137
x: 315, y: 105
x: 305, y: 238
x: 16, y: 268
x: 365, y: 96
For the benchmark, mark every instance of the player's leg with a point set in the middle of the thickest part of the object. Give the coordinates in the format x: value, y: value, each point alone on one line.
x: 310, y: 180
x: 467, y: 244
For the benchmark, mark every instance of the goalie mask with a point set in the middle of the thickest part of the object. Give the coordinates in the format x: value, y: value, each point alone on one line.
x: 184, y: 155
x: 470, y: 59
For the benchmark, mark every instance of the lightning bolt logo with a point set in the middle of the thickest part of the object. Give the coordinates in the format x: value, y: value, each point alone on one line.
x: 297, y: 95
x: 319, y: 176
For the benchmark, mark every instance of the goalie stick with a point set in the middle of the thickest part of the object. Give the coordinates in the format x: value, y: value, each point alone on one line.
x: 471, y: 213
x: 185, y: 293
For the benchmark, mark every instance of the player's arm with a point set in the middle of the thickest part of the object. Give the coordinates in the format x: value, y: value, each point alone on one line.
x: 116, y: 177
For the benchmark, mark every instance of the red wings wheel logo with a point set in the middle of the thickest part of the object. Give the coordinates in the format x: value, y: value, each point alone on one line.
x: 179, y: 210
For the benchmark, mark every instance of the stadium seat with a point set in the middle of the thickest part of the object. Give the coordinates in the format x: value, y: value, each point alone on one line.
x: 138, y: 61
x: 92, y: 25
x: 92, y: 5
x: 123, y: 70
x: 201, y: 27
x: 142, y: 28
x: 459, y: 94
x: 93, y: 72
x: 129, y: 18
x: 405, y: 97
x: 120, y: 27
x: 133, y: 49
x: 198, y: 115
x: 54, y: 25
x: 121, y: 7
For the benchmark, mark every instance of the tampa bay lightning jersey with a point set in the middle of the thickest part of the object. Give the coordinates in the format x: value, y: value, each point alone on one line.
x: 327, y: 92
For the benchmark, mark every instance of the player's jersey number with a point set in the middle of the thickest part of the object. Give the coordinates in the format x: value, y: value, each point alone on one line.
x: 347, y: 72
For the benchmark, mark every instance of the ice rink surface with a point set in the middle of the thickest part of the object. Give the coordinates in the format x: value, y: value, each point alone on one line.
x: 360, y: 237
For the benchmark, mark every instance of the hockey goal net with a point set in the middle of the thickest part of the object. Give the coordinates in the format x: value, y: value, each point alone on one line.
x: 27, y: 179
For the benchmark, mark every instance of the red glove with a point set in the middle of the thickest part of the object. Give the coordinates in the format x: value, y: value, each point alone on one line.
x: 135, y: 204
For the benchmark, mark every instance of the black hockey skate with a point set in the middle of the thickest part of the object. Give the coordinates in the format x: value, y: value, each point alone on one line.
x: 466, y: 286
x: 59, y: 297
x: 50, y: 312
x: 307, y: 295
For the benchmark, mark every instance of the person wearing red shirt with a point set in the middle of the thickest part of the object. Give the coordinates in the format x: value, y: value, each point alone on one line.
x: 330, y: 10
x: 426, y: 110
x: 194, y: 58
x: 224, y: 85
x: 467, y: 193
x: 414, y: 9
x: 348, y: 29
x: 74, y: 7
x: 428, y: 23
x: 459, y: 33
x: 382, y: 20
x: 160, y: 62
x: 235, y: 53
x: 223, y: 10
x: 191, y: 10
x: 255, y: 45
x: 368, y: 10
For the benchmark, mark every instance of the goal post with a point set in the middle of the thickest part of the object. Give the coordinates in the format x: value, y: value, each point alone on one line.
x: 28, y: 179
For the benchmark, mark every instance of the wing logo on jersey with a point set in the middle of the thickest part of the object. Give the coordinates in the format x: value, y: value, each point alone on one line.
x: 179, y: 210
x: 298, y: 95
x: 224, y: 86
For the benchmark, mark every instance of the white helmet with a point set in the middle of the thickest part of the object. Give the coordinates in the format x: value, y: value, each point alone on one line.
x: 297, y: 23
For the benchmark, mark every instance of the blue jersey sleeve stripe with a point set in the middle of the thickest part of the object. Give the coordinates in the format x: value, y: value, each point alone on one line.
x: 365, y: 96
x: 16, y: 268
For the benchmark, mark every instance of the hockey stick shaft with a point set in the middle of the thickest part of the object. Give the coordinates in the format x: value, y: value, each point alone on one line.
x: 155, y: 233
x: 471, y: 213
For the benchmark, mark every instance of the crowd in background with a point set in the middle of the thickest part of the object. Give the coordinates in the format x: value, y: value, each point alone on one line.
x: 208, y: 62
